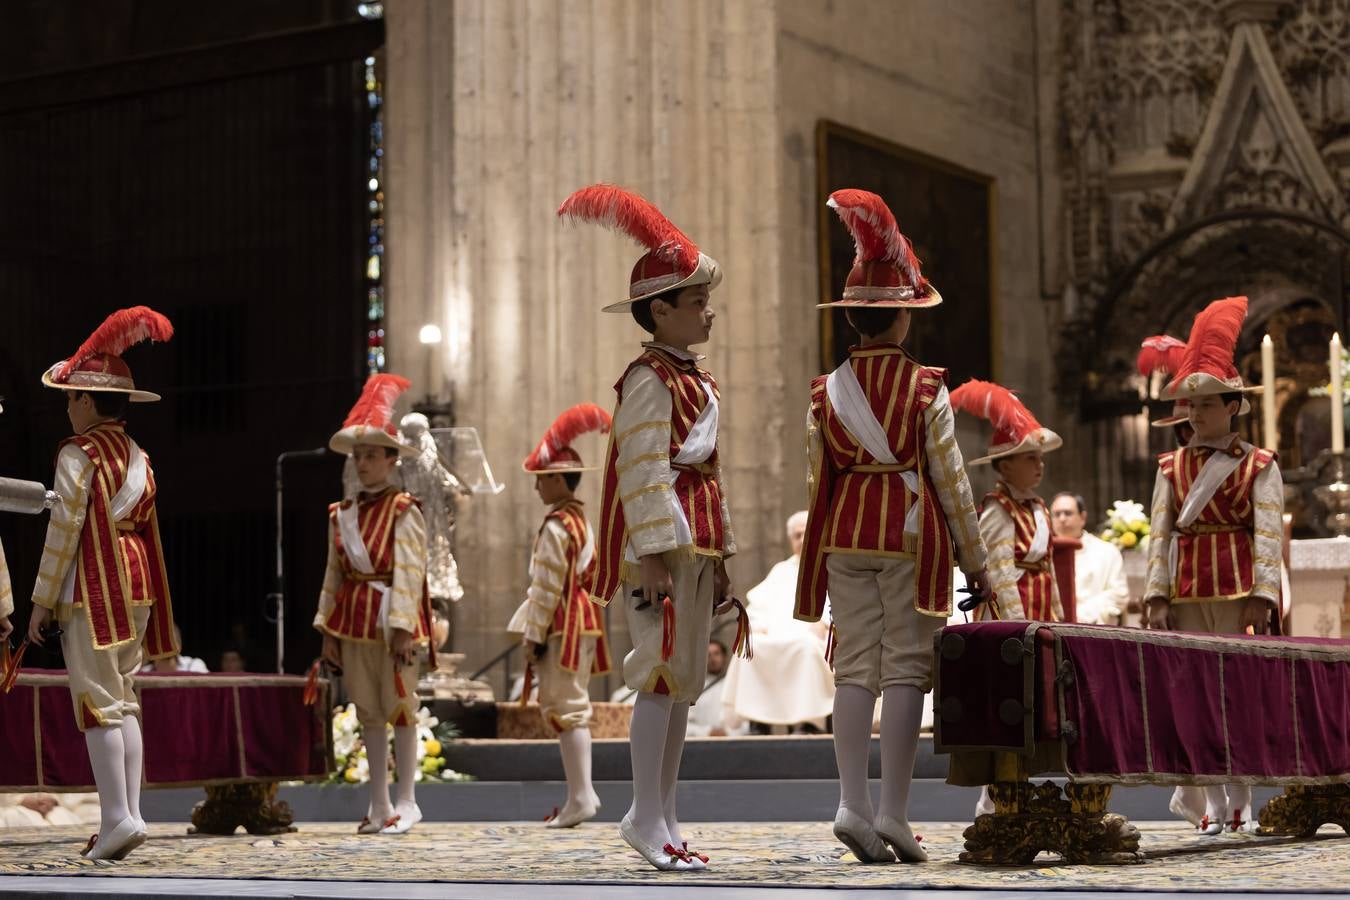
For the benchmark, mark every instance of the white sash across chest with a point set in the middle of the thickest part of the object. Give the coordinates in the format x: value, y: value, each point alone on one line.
x: 851, y: 406
x: 697, y: 448
x: 121, y: 505
x: 1213, y: 473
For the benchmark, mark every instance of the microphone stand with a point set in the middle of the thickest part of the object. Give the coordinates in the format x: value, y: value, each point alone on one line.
x: 278, y: 595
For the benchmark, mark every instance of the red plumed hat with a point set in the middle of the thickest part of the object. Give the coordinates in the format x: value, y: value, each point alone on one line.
x: 1015, y: 428
x: 555, y: 452
x: 1162, y: 353
x: 98, y: 364
x: 371, y: 420
x: 885, y: 270
x: 1207, y: 365
x: 672, y: 260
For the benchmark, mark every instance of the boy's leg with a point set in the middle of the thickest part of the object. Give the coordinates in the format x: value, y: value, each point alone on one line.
x: 906, y: 675
x: 565, y: 704
x: 398, y: 689
x: 646, y: 744
x: 694, y: 583
x: 96, y: 692
x: 361, y: 665
x: 856, y: 605
x: 129, y: 660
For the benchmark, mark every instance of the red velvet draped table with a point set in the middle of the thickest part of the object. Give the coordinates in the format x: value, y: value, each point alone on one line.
x: 1108, y: 706
x: 236, y: 735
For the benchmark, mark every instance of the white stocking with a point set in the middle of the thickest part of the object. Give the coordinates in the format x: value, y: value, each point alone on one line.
x: 575, y: 747
x: 853, y: 708
x: 670, y: 768
x: 135, y: 756
x: 107, y: 757
x: 376, y: 738
x: 405, y: 763
x: 901, y: 709
x: 646, y: 746
x: 1216, y: 800
x: 1239, y: 801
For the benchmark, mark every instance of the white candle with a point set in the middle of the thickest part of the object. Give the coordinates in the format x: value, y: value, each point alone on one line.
x: 1270, y: 435
x: 1337, y: 398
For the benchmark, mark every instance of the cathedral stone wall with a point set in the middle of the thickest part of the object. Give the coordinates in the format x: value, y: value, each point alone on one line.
x: 497, y: 110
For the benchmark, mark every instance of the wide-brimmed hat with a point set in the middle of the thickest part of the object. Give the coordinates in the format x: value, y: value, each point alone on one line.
x: 1015, y: 428
x: 885, y: 273
x: 555, y: 454
x: 370, y: 422
x: 98, y: 365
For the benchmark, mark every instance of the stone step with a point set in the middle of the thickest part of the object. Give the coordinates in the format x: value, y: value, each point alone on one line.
x: 785, y: 758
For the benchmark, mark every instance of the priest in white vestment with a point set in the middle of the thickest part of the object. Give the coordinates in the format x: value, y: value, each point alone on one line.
x: 788, y: 681
x: 1099, y: 569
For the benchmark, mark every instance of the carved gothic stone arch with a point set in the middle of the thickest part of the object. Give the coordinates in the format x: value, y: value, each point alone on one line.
x: 1275, y: 257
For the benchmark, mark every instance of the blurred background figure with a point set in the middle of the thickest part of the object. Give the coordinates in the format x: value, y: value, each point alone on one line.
x: 709, y: 716
x: 232, y: 660
x: 787, y: 684
x: 1099, y: 569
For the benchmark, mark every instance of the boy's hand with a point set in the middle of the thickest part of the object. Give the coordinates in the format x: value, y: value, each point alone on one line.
x: 979, y: 583
x: 332, y: 651
x: 402, y: 647
x: 1159, y: 614
x: 35, y: 622
x: 1255, y: 615
x: 655, y: 579
x: 722, y: 592
x: 6, y: 629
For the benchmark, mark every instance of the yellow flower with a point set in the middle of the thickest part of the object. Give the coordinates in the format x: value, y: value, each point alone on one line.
x: 432, y: 746
x: 1108, y: 535
x: 351, y: 775
x: 1128, y: 539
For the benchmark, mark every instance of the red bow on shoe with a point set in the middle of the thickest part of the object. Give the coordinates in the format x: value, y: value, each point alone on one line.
x: 694, y: 853
x: 551, y: 816
x: 672, y: 851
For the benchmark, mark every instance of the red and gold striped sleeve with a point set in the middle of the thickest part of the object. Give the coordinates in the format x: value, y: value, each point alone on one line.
x: 74, y: 472
x: 410, y: 569
x: 332, y: 579
x: 548, y: 577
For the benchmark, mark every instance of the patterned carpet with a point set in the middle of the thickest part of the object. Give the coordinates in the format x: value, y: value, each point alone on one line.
x: 793, y: 854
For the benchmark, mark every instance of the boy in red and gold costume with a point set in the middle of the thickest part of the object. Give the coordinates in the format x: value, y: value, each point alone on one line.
x: 889, y: 499
x: 101, y: 577
x: 664, y: 527
x: 563, y: 631
x: 374, y: 610
x: 1014, y: 520
x: 1216, y: 526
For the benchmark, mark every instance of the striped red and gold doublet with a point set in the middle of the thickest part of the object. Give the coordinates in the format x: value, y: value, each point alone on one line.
x: 576, y: 616
x: 120, y: 564
x: 356, y: 607
x: 1037, y: 583
x: 696, y: 488
x: 1216, y: 553
x: 858, y: 505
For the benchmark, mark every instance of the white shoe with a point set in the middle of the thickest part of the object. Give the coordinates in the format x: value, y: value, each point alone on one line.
x: 857, y: 834
x: 1209, y: 827
x: 661, y: 858
x: 369, y: 827
x: 901, y: 839
x: 125, y: 836
x: 572, y: 816
x: 402, y: 821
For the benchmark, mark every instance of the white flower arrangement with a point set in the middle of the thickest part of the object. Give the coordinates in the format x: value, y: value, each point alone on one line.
x: 1126, y: 525
x: 349, y: 748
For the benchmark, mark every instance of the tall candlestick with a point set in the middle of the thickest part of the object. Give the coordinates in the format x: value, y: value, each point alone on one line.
x: 1270, y: 435
x: 1337, y: 397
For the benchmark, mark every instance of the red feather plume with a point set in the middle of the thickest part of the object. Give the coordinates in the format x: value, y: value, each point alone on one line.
x: 876, y: 236
x: 997, y: 404
x: 580, y: 419
x: 627, y: 211
x: 1214, y: 339
x: 119, y: 331
x: 375, y: 406
x: 1160, y: 353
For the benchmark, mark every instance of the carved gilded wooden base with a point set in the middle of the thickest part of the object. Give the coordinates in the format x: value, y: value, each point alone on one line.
x: 1301, y: 810
x: 251, y: 806
x: 1029, y: 819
